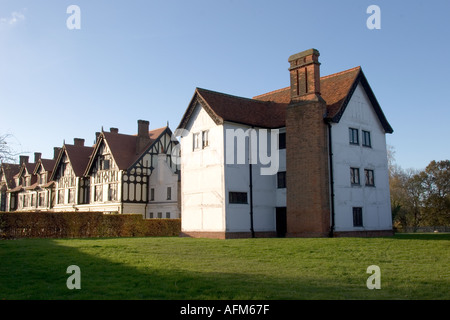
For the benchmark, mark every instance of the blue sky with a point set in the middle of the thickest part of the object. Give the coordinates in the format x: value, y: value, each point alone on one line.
x: 135, y: 60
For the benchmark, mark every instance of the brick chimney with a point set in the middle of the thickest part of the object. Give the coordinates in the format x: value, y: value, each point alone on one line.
x: 56, y: 152
x: 37, y: 156
x: 114, y: 130
x: 307, y: 173
x: 142, y: 139
x: 78, y: 142
x: 23, y: 159
x: 305, y: 74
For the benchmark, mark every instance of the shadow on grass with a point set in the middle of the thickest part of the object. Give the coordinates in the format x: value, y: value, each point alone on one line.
x: 422, y: 236
x: 37, y: 270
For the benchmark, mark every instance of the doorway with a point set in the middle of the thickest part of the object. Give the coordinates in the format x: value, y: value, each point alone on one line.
x: 281, y: 222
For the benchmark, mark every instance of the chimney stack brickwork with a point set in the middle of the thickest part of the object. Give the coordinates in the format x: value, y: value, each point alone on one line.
x: 78, y: 142
x: 307, y: 172
x: 143, y: 138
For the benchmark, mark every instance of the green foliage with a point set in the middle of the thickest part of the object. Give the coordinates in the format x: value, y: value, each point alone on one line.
x: 83, y: 225
x: 421, y: 198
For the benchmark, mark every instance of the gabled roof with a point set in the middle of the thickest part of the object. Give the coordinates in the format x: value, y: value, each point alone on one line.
x: 224, y: 107
x: 269, y: 110
x: 123, y: 147
x: 9, y: 171
x: 78, y: 156
x: 47, y: 164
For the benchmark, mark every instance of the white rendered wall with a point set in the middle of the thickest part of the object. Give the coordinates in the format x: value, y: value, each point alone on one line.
x: 162, y: 178
x: 375, y: 201
x: 237, y: 179
x: 202, y: 181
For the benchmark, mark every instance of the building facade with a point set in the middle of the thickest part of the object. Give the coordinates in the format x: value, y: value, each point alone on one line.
x: 120, y: 173
x: 306, y: 160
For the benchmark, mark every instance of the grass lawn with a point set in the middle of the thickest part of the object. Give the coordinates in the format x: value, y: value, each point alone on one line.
x: 412, y: 267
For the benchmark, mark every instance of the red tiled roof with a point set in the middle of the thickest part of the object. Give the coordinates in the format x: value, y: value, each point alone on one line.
x: 334, y: 89
x: 269, y: 109
x: 10, y: 170
x: 266, y: 114
x: 123, y: 146
x: 79, y: 157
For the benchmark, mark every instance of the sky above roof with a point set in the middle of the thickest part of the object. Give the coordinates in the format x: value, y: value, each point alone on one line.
x: 140, y: 59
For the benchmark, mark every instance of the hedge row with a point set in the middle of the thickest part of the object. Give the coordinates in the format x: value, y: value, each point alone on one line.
x: 83, y: 225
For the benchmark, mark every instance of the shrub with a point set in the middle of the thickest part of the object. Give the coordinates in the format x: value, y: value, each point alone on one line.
x: 83, y: 225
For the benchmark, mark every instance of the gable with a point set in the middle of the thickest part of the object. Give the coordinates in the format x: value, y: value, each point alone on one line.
x: 163, y: 143
x: 361, y: 81
x: 224, y: 107
x: 360, y: 111
x: 102, y: 158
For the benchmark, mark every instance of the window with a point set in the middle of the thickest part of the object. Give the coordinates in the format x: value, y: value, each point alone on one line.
x: 61, y: 196
x: 169, y: 193
x: 357, y: 217
x: 366, y: 139
x: 167, y: 215
x: 104, y: 165
x: 200, y: 140
x: 152, y: 194
x: 369, y: 177
x: 354, y: 176
x: 237, y: 197
x: 151, y: 215
x: 98, y: 194
x: 197, y: 142
x: 353, y: 136
x: 205, y: 139
x: 71, y: 196
x: 41, y: 199
x: 282, y: 141
x: 281, y: 179
x: 159, y: 215
x: 112, y: 192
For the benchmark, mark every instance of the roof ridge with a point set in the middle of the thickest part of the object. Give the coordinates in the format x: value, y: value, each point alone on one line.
x: 340, y: 72
x: 234, y: 96
x: 270, y: 92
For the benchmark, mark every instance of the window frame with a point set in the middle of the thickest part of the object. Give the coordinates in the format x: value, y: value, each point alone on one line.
x: 351, y: 132
x: 367, y: 177
x: 366, y: 134
x: 152, y: 194
x: 169, y: 193
x: 281, y: 180
x: 357, y: 217
x: 282, y: 141
x: 237, y: 197
x: 353, y: 181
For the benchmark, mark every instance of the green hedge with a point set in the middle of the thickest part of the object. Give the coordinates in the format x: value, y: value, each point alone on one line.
x: 83, y: 225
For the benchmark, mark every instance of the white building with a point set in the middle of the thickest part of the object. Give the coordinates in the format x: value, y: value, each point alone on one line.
x: 312, y: 172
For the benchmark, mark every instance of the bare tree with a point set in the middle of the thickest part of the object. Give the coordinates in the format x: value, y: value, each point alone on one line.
x: 7, y: 154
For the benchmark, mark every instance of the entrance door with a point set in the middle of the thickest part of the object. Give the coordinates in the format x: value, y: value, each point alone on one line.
x: 281, y: 222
